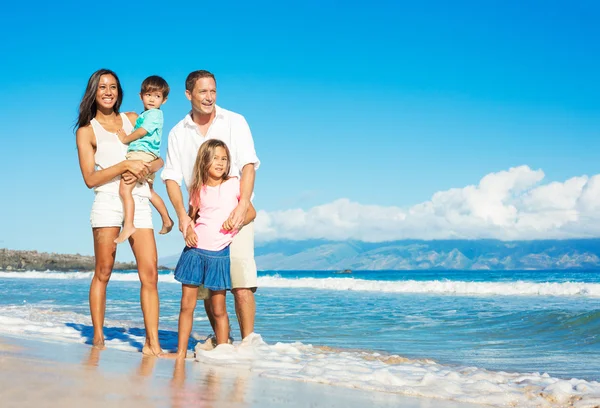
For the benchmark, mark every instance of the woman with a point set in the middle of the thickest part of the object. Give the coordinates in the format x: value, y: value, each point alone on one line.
x: 102, y: 162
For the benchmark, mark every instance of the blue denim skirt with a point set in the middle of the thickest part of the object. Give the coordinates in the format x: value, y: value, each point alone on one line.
x: 202, y: 267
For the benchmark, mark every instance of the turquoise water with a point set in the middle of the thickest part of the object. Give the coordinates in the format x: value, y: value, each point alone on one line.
x: 507, y: 323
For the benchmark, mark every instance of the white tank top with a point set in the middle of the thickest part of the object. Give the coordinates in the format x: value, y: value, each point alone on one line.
x: 110, y: 151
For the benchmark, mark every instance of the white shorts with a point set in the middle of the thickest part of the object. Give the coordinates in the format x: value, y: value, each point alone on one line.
x: 107, y: 211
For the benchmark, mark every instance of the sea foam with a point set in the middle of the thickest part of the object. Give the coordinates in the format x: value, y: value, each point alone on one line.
x: 439, y: 286
x: 468, y: 288
x: 371, y: 371
x: 338, y: 367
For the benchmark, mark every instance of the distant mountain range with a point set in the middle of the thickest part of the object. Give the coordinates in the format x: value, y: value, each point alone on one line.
x: 415, y: 254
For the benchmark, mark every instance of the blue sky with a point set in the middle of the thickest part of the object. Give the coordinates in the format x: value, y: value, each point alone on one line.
x: 381, y: 104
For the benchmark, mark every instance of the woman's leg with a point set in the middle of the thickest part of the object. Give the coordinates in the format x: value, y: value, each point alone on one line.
x: 186, y: 318
x: 144, y: 248
x: 105, y: 250
x: 219, y: 309
x: 125, y: 191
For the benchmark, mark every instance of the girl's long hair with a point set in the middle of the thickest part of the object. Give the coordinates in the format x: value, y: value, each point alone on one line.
x: 200, y: 172
x: 87, y: 107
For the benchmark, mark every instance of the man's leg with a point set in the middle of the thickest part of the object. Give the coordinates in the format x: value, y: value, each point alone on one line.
x: 204, y: 295
x: 243, y: 278
x: 245, y: 310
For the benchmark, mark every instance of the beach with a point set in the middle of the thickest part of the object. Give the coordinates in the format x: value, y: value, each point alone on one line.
x: 412, y: 338
x: 49, y: 374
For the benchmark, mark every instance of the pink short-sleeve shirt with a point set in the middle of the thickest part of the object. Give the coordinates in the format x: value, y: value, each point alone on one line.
x: 216, y: 204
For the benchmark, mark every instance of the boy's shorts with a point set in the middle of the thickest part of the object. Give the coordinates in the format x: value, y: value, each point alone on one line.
x: 243, y: 266
x: 145, y: 157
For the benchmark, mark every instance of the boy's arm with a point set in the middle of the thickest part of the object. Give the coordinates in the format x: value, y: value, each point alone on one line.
x: 135, y: 135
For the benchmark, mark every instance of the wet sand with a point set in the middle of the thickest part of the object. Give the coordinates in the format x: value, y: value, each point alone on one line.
x: 47, y: 374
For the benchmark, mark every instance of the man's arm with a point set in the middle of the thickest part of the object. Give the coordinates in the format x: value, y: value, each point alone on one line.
x: 172, y: 175
x: 238, y: 215
x: 174, y: 192
x: 250, y: 215
x: 246, y: 159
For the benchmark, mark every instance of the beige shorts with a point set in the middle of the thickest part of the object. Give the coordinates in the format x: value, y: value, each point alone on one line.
x: 145, y: 157
x: 243, y: 266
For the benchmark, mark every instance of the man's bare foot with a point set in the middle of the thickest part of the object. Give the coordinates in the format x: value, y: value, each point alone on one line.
x: 149, y: 351
x: 167, y: 226
x: 126, y: 232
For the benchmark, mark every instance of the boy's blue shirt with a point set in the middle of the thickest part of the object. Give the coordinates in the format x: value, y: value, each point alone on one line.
x: 152, y: 121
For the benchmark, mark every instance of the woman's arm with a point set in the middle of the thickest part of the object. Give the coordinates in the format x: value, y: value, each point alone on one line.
x: 93, y: 177
x: 153, y: 167
x: 156, y: 165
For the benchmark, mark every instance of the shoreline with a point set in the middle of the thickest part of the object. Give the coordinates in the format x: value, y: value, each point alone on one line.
x: 38, y: 373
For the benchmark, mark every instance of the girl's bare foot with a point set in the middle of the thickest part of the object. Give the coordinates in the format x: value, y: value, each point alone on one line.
x: 167, y: 226
x: 177, y: 356
x: 126, y: 232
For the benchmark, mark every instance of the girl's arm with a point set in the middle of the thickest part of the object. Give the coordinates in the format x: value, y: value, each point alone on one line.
x: 93, y: 177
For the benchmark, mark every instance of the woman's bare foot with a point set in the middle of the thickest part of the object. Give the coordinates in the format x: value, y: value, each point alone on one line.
x: 126, y: 232
x: 98, y: 344
x: 150, y: 351
x: 167, y: 226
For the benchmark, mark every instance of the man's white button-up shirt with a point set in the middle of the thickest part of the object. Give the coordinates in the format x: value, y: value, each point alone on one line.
x: 185, y: 140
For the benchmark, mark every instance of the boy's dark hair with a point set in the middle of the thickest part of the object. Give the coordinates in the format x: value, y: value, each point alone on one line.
x: 155, y: 83
x: 191, y: 79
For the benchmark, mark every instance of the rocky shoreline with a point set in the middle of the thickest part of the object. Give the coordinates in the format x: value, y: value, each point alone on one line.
x: 18, y: 261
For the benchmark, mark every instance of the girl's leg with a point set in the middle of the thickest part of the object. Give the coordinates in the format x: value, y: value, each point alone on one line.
x: 160, y: 206
x: 186, y: 318
x: 219, y: 310
x: 144, y: 248
x: 125, y: 191
x: 104, y: 252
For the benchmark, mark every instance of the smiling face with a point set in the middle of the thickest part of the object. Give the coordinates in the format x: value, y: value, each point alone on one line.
x: 218, y: 166
x: 204, y: 96
x: 107, y: 92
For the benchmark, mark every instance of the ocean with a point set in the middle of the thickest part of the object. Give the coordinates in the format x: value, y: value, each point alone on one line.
x: 530, y: 338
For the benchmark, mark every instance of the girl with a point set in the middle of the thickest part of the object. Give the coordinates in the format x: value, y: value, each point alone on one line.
x: 205, y: 260
x: 102, y: 162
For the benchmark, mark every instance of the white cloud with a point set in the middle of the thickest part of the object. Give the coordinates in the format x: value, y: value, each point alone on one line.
x: 507, y: 205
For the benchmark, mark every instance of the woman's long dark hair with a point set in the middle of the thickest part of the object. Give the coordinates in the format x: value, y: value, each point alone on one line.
x: 87, y: 107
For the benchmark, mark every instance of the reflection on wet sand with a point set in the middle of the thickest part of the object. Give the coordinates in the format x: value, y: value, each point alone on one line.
x: 209, y: 390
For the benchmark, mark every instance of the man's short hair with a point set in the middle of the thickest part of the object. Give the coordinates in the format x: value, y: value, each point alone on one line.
x: 191, y: 79
x: 155, y: 83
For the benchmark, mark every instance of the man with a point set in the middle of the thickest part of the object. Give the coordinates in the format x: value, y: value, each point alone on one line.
x: 206, y: 121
